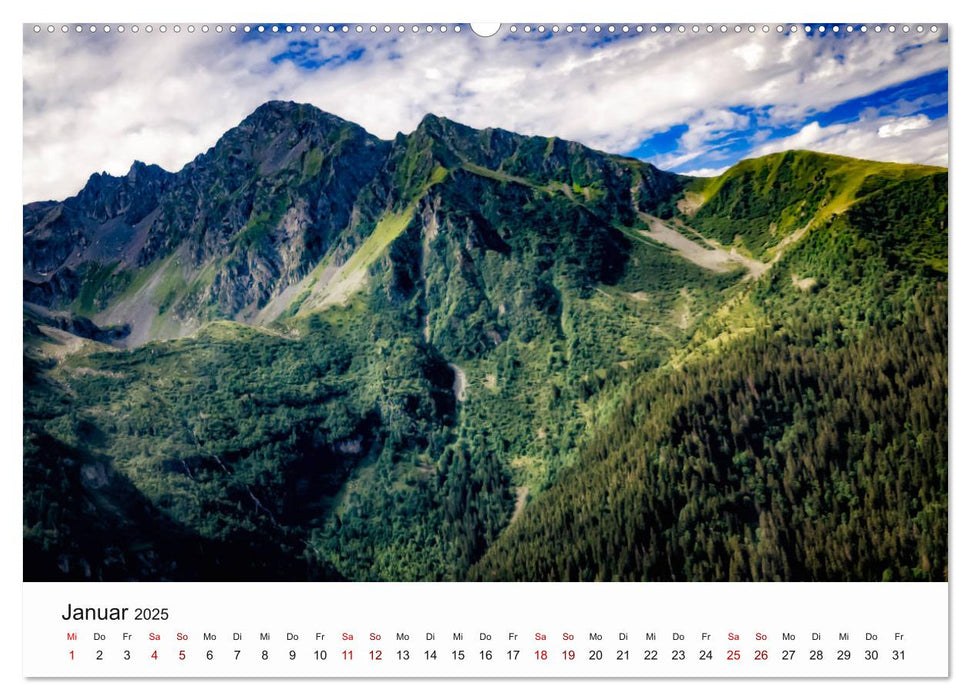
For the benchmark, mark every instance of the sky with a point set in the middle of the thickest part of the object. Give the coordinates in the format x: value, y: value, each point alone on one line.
x: 689, y: 102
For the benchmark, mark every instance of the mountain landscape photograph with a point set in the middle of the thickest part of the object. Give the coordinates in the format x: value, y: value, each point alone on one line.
x: 307, y: 304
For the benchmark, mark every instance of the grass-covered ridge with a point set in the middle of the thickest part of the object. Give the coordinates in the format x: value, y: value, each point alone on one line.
x: 756, y: 203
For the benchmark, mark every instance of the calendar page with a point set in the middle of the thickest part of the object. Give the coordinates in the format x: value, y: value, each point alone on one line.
x: 513, y: 350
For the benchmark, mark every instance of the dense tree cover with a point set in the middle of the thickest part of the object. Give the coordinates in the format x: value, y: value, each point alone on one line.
x: 534, y: 299
x: 235, y: 434
x: 85, y: 520
x: 778, y: 461
x: 801, y: 435
x: 664, y: 421
x: 335, y: 441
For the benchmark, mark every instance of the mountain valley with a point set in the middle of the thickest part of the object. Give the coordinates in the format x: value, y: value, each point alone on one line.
x: 461, y: 354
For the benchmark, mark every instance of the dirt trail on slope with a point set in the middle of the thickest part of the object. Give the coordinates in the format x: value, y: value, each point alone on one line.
x: 521, y: 493
x: 793, y: 237
x: 714, y: 257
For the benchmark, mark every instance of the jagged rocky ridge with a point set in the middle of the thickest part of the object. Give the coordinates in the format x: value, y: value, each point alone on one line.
x: 237, y: 231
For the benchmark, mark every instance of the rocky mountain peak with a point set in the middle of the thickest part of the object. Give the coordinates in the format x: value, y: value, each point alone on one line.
x: 250, y: 217
x: 139, y: 171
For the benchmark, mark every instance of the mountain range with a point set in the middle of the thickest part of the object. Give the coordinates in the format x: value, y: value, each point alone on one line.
x: 472, y: 354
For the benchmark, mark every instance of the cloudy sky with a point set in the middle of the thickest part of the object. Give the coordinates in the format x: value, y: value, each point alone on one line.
x: 692, y: 103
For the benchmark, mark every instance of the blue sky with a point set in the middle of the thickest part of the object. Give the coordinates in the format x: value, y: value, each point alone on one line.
x: 925, y: 96
x: 692, y: 102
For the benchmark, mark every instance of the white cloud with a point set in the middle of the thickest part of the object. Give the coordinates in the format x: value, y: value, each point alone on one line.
x: 707, y: 172
x: 919, y: 141
x: 898, y: 127
x: 752, y: 54
x: 712, y: 123
x: 97, y: 103
x: 674, y: 160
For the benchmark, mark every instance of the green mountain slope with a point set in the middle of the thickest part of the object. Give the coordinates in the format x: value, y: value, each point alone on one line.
x: 780, y: 461
x: 757, y: 203
x: 801, y: 434
x: 409, y: 360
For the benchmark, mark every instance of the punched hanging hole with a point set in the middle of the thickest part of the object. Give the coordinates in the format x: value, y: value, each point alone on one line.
x: 485, y: 29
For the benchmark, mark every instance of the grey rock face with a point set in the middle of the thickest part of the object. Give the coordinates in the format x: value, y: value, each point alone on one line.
x: 290, y: 185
